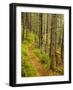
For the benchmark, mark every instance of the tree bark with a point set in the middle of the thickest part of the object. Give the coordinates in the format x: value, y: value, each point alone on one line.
x: 53, y: 42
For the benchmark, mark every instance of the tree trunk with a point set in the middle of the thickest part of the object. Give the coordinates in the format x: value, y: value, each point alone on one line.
x: 53, y: 42
x: 62, y: 50
x: 47, y: 36
x: 23, y: 26
x: 40, y: 32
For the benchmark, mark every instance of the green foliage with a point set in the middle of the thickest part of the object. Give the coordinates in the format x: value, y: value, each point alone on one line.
x: 25, y: 42
x: 43, y: 57
x: 46, y: 60
x: 24, y: 50
x: 37, y: 51
x: 30, y: 38
x: 27, y: 67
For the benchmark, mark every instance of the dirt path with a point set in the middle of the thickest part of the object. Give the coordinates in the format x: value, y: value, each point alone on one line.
x: 35, y: 61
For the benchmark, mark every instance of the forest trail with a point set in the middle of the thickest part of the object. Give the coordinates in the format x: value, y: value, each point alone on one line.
x: 35, y: 61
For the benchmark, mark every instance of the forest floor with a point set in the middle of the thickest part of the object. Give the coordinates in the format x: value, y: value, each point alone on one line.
x: 35, y: 61
x: 38, y: 65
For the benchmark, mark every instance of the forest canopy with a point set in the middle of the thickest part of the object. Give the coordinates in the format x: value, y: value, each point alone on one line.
x: 42, y: 46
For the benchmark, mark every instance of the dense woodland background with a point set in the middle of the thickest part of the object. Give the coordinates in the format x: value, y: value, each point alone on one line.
x: 42, y: 44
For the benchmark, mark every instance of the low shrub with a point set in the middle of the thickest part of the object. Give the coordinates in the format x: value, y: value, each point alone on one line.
x: 30, y: 38
x: 27, y: 68
x: 43, y: 58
